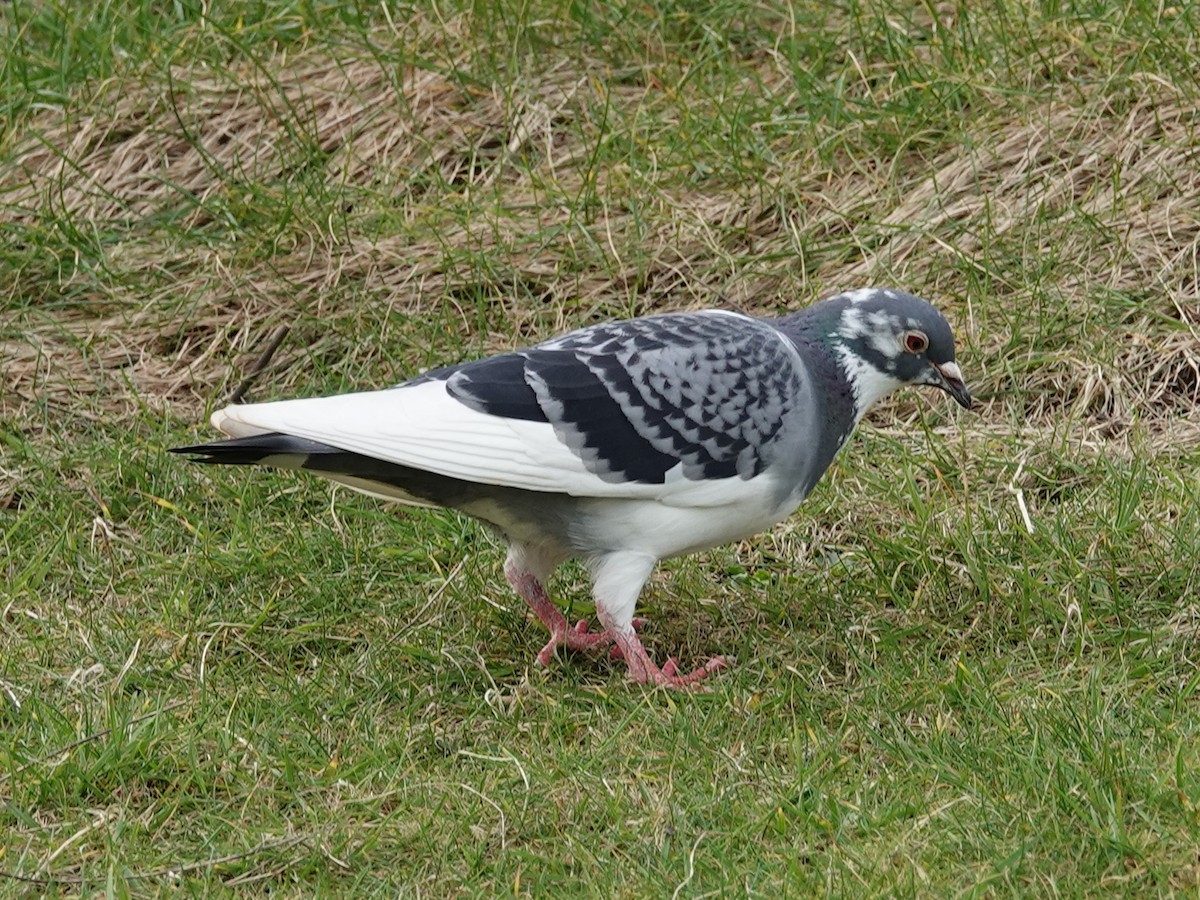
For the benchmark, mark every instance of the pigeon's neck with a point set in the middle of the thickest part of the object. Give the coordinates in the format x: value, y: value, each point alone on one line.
x: 833, y: 394
x: 868, y: 383
x: 865, y: 383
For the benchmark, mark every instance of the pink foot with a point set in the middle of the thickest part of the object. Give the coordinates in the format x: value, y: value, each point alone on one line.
x: 576, y: 639
x: 643, y: 670
x: 668, y: 675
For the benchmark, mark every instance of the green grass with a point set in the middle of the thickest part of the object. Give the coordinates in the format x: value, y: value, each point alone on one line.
x: 967, y: 666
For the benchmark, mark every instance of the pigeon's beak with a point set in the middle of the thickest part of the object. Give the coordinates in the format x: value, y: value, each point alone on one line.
x: 952, y: 383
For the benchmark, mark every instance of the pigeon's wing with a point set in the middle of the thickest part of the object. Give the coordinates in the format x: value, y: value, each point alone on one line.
x: 704, y: 393
x: 658, y: 407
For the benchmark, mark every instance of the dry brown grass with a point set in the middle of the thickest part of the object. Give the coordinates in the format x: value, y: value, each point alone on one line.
x: 1104, y: 187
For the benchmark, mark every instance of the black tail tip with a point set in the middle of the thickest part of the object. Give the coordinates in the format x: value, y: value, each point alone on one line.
x: 250, y: 450
x: 196, y: 452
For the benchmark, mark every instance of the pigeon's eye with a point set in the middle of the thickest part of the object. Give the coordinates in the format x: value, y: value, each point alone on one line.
x: 915, y: 341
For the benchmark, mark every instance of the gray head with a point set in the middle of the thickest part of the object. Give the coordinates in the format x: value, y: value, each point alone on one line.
x: 886, y: 339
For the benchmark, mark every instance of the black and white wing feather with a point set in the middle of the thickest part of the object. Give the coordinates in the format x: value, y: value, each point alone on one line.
x: 649, y: 408
x: 634, y: 400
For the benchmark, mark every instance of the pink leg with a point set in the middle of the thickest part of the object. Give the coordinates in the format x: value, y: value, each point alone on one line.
x: 531, y: 590
x: 618, y: 579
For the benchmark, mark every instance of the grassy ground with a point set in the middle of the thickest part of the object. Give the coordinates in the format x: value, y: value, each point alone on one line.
x: 968, y: 666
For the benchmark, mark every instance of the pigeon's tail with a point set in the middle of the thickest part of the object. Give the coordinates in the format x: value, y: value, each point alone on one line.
x: 283, y: 451
x: 377, y: 477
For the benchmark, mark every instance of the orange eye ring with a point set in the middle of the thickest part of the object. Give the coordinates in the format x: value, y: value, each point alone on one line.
x: 915, y: 341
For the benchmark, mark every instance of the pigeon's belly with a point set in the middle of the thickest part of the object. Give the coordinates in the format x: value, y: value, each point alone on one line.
x: 664, y: 530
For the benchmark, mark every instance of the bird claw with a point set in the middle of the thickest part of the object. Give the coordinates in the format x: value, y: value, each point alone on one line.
x: 545, y: 654
x: 668, y: 675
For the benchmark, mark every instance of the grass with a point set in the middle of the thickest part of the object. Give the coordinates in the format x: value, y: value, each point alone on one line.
x: 966, y: 667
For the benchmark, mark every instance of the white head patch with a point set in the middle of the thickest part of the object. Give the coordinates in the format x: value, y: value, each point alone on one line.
x: 861, y: 295
x: 880, y: 330
x: 868, y: 383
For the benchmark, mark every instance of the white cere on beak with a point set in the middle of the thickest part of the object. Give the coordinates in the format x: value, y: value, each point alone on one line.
x: 951, y: 370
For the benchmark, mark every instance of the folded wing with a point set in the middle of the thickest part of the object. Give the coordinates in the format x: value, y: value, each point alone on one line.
x: 674, y: 408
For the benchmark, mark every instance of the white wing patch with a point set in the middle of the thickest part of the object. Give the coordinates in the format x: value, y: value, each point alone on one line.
x: 423, y: 427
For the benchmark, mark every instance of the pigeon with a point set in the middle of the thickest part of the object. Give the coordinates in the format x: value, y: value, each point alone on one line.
x: 619, y: 444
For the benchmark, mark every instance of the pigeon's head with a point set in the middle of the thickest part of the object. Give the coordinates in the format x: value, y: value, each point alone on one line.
x: 886, y: 339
